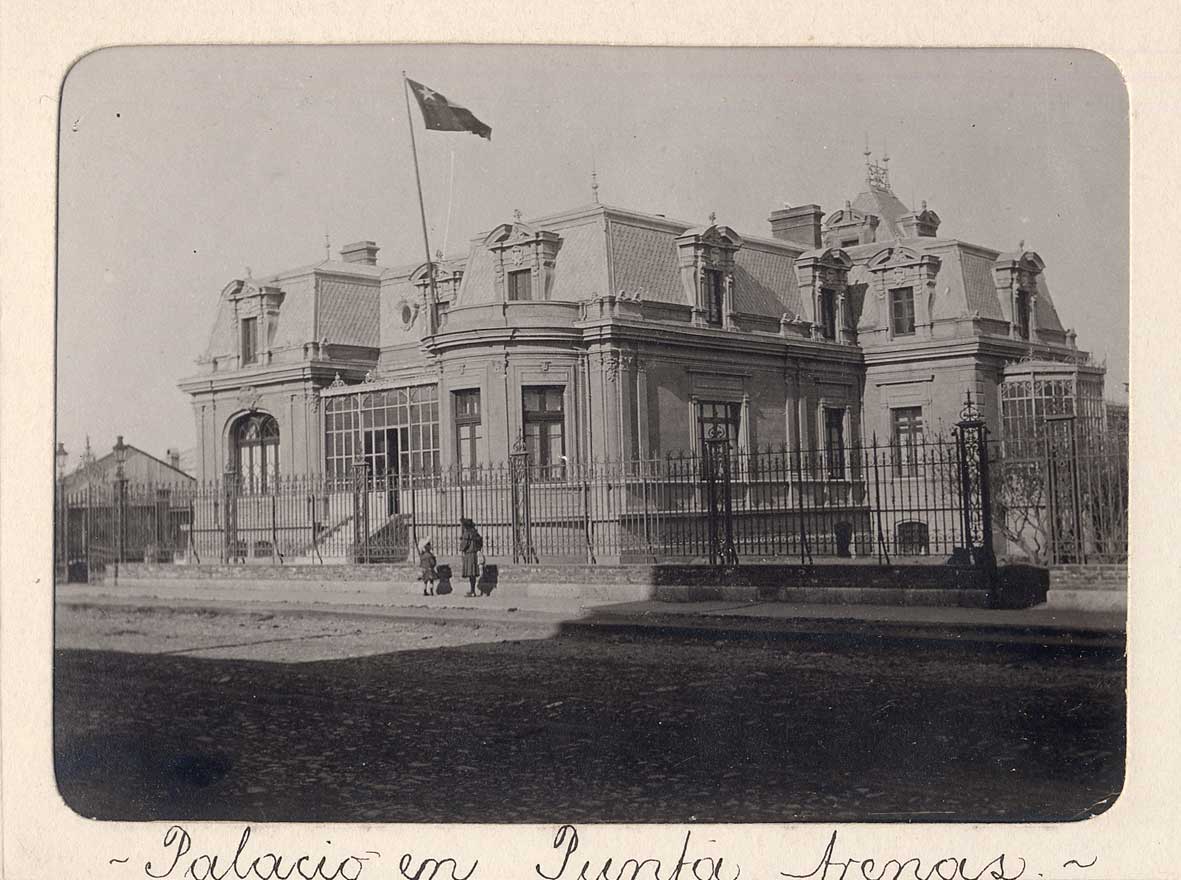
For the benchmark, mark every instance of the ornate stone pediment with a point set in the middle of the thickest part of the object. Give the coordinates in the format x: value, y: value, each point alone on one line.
x: 893, y: 256
x: 245, y: 288
x: 520, y: 246
x: 845, y: 216
x: 850, y: 223
x: 510, y: 233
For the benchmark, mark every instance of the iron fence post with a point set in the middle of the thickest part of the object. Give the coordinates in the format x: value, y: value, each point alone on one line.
x: 230, y: 514
x: 360, y: 513
x: 519, y: 475
x: 121, y: 528
x: 86, y: 527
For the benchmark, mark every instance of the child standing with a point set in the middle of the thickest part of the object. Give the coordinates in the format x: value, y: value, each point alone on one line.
x: 426, y: 562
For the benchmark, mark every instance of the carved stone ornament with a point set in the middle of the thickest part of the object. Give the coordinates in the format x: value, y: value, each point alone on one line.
x: 370, y: 377
x: 337, y: 382
x: 611, y: 366
x: 518, y: 255
x: 545, y: 366
x: 249, y: 397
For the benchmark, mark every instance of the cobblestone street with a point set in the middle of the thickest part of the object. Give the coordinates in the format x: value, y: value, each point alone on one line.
x: 517, y: 726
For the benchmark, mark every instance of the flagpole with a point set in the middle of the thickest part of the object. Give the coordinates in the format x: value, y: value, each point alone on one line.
x: 430, y: 266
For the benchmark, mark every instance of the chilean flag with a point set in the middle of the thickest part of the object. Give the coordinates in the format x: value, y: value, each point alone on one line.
x: 439, y: 114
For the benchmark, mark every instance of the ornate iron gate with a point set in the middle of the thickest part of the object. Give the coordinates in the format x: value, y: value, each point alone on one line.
x: 720, y: 498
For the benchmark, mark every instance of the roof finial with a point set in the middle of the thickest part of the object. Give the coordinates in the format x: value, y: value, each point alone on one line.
x: 713, y: 218
x: 248, y: 273
x: 517, y: 215
x: 1021, y: 246
x: 327, y: 247
x: 594, y: 176
x: 439, y: 254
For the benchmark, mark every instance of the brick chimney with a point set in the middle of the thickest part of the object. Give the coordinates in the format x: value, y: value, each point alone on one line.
x: 174, y: 458
x: 360, y: 252
x: 799, y: 225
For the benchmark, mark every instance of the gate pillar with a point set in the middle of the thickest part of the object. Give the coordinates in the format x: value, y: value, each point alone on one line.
x: 975, y: 495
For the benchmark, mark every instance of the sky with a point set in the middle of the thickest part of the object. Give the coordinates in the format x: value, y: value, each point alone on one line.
x: 180, y: 167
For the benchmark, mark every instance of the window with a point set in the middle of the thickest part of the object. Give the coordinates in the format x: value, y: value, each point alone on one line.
x: 718, y: 419
x: 907, y: 437
x: 828, y: 314
x: 395, y: 432
x: 902, y: 311
x: 834, y: 442
x: 469, y: 433
x: 520, y: 285
x: 256, y: 451
x: 1022, y: 317
x: 543, y: 408
x: 912, y: 539
x: 714, y: 297
x: 249, y: 341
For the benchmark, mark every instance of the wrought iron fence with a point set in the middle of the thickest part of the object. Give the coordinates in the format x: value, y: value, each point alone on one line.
x: 881, y: 501
x: 1067, y: 501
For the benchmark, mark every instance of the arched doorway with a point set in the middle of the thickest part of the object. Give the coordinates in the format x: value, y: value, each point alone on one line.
x: 256, y: 452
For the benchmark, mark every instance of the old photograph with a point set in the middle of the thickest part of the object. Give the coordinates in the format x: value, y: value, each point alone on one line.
x: 544, y: 434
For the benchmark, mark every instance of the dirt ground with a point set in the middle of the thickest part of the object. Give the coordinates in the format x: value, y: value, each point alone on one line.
x: 475, y: 720
x: 283, y: 636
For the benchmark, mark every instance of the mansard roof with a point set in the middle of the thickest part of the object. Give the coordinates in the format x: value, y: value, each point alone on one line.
x: 886, y: 206
x: 964, y: 285
x: 607, y: 249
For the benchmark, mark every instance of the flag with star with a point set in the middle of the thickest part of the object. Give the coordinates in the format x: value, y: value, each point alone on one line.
x: 440, y: 114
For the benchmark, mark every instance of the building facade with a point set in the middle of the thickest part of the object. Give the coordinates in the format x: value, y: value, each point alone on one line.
x: 602, y: 333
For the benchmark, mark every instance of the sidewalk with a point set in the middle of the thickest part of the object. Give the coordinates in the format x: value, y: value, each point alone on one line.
x: 722, y: 619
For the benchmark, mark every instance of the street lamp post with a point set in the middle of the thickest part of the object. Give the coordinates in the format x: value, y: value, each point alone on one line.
x: 121, y: 504
x: 60, y: 456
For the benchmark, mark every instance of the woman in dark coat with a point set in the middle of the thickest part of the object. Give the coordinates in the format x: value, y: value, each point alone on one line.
x: 470, y: 545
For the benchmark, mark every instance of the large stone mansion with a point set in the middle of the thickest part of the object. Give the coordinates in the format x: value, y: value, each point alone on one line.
x: 605, y: 333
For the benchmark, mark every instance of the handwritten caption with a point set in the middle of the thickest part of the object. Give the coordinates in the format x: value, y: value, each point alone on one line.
x: 179, y: 858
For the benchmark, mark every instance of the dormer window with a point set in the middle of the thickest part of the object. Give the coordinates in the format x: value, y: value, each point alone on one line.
x: 520, y: 285
x: 715, y: 297
x: 706, y: 258
x: 1022, y: 316
x: 828, y: 313
x: 902, y: 311
x: 524, y: 259
x: 249, y: 341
